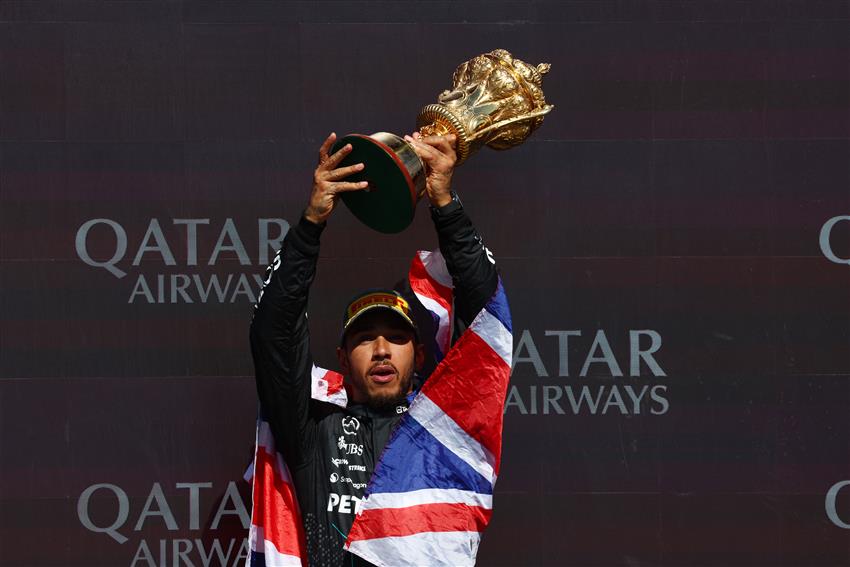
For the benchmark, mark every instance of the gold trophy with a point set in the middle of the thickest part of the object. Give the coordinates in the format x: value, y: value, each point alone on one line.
x: 496, y: 100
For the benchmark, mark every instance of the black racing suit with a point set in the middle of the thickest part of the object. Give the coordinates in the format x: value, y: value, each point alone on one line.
x: 331, y: 452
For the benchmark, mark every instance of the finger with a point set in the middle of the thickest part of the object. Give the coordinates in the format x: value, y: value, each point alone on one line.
x: 425, y: 151
x: 337, y: 157
x: 343, y: 172
x: 418, y: 144
x: 345, y: 186
x: 443, y: 143
x: 326, y: 146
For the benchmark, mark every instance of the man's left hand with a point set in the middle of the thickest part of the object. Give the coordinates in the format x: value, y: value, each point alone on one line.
x: 438, y: 153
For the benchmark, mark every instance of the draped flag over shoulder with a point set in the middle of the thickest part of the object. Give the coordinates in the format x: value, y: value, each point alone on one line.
x: 430, y: 496
x: 276, y: 534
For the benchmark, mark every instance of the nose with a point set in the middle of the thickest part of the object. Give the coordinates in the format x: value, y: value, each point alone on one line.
x: 380, y: 348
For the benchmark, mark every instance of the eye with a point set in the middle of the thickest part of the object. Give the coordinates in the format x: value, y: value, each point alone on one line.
x: 360, y: 338
x: 399, y: 338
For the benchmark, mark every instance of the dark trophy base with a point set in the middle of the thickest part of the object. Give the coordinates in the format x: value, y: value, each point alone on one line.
x: 396, y: 180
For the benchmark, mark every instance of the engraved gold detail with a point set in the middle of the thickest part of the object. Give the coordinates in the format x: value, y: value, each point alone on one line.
x: 496, y: 100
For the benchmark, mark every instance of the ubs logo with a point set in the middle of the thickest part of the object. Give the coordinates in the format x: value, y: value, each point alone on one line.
x: 349, y: 448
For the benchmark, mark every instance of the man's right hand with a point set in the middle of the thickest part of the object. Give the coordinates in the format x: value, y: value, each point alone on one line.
x: 326, y: 182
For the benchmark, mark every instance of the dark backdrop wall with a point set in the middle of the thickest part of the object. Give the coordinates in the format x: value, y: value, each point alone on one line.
x: 688, y: 199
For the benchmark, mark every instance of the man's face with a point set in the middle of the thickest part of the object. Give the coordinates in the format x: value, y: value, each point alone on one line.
x: 378, y: 356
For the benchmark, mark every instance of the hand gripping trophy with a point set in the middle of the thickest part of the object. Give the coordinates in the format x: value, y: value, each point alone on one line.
x: 496, y: 100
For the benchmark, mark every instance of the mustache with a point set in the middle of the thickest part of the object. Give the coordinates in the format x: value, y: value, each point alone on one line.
x: 383, y: 364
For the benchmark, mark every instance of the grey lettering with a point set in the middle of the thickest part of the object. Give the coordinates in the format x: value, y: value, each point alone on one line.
x: 204, y: 292
x: 267, y: 243
x: 191, y: 238
x: 143, y: 553
x: 141, y: 288
x: 120, y: 518
x: 243, y: 554
x: 831, y: 509
x: 515, y: 399
x: 162, y: 510
x: 238, y: 509
x: 662, y: 401
x: 563, y: 349
x: 636, y: 399
x: 161, y: 246
x: 120, y: 246
x: 180, y: 288
x: 615, y: 399
x: 229, y: 231
x: 637, y: 354
x: 583, y: 398
x: 215, y: 548
x: 601, y: 343
x: 533, y: 356
x: 180, y: 549
x: 549, y: 399
x: 825, y: 245
x: 194, y: 501
x: 243, y: 287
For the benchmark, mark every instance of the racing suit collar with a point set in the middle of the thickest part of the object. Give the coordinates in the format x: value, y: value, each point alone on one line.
x: 366, y: 411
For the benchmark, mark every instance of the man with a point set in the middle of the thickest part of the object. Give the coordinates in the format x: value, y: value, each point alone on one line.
x: 331, y: 452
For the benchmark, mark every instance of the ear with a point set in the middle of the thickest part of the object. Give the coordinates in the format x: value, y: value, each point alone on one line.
x: 342, y: 357
x: 419, y: 356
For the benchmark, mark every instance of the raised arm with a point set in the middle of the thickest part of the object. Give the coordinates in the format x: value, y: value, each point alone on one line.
x: 280, y: 342
x: 469, y: 262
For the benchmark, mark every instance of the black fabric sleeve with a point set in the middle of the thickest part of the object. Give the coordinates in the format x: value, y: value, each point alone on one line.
x: 470, y: 263
x: 280, y: 343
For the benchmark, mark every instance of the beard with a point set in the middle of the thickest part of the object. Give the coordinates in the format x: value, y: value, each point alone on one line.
x: 383, y: 400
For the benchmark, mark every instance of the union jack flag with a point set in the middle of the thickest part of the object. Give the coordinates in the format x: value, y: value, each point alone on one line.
x: 276, y: 534
x: 431, y: 494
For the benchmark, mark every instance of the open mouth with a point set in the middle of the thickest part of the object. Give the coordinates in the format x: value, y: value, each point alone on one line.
x: 383, y: 373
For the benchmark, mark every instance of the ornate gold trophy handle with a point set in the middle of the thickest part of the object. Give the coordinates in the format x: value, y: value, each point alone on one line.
x: 435, y: 129
x: 501, y: 124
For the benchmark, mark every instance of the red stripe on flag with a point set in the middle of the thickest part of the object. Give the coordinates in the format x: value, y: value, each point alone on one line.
x: 334, y: 380
x: 396, y: 522
x: 422, y: 283
x: 277, y: 508
x: 470, y: 386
